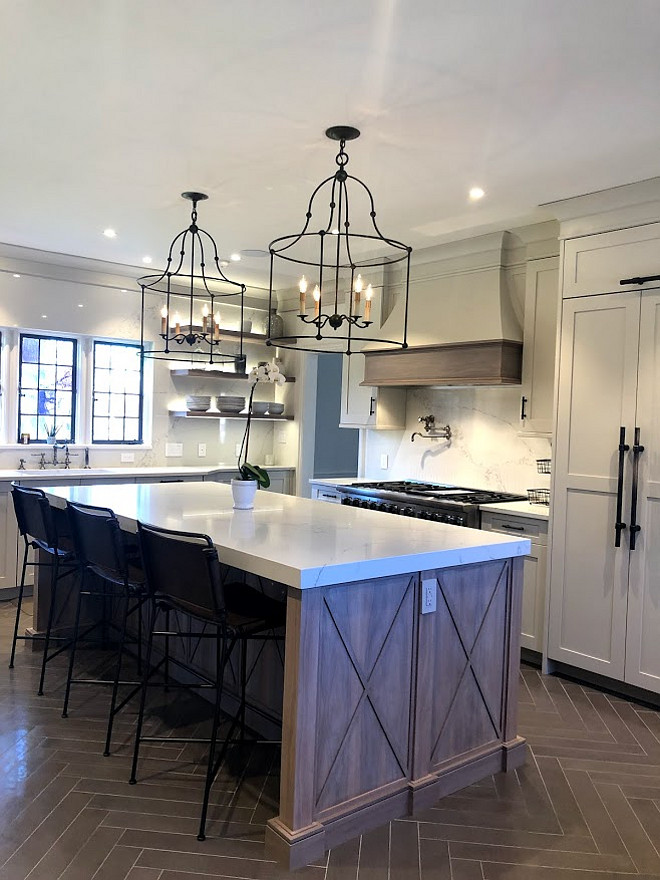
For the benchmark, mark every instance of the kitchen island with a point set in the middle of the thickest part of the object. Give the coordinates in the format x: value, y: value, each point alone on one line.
x: 401, y: 663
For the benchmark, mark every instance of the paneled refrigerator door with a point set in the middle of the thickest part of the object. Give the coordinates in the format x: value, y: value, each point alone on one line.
x: 597, y: 393
x: 643, y: 638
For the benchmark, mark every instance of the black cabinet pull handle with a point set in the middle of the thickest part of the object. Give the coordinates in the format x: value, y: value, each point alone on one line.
x: 634, y: 527
x: 372, y: 404
x: 513, y: 528
x: 523, y: 413
x: 619, y: 526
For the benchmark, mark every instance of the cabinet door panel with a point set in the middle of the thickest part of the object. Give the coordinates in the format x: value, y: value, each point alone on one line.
x: 8, y: 539
x: 597, y: 394
x: 533, y: 602
x: 538, y: 371
x: 643, y: 643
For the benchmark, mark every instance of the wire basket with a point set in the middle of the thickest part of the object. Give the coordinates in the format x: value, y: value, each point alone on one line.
x: 539, y: 496
x: 542, y: 465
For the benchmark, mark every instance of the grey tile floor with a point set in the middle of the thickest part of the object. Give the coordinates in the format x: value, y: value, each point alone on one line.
x: 586, y: 806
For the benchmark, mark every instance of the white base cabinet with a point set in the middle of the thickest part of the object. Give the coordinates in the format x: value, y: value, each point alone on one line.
x: 534, y: 571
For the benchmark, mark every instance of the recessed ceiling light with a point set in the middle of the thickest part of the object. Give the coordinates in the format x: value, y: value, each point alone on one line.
x: 123, y: 290
x: 335, y: 232
x: 16, y: 275
x: 44, y: 316
x: 146, y: 259
x: 80, y: 305
x: 476, y: 193
x: 224, y: 264
x: 235, y: 257
x: 109, y: 233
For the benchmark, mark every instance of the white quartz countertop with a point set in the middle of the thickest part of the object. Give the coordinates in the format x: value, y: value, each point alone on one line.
x: 518, y: 508
x: 297, y: 541
x: 128, y: 472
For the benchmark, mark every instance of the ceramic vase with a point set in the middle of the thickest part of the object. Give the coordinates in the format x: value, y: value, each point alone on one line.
x: 243, y: 492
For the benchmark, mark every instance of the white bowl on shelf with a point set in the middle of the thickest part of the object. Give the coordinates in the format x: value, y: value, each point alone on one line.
x: 198, y: 403
x: 275, y: 409
x: 259, y: 407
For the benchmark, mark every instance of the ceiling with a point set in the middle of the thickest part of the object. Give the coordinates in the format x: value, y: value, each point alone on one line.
x: 111, y: 109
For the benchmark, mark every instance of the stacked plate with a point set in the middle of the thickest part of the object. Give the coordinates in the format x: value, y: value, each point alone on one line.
x: 228, y: 404
x: 198, y: 402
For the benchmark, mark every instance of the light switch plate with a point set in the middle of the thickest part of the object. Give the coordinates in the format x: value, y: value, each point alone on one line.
x: 429, y: 593
x: 201, y: 450
x: 127, y: 457
x: 384, y: 461
x: 173, y: 450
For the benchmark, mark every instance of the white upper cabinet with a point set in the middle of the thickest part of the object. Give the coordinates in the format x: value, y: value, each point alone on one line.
x: 595, y: 264
x: 540, y: 334
x: 363, y: 406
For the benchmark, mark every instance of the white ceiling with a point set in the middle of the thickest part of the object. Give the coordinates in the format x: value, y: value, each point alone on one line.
x: 110, y: 109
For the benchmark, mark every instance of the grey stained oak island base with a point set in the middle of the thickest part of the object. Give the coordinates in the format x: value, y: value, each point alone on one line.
x: 387, y: 709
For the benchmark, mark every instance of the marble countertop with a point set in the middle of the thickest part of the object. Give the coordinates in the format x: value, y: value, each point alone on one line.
x: 297, y: 541
x: 518, y: 508
x: 132, y: 472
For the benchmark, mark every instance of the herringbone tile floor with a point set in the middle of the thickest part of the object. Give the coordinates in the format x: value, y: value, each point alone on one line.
x: 586, y: 806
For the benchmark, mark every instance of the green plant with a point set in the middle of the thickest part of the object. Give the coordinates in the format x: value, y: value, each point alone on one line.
x: 247, y: 471
x: 51, y: 430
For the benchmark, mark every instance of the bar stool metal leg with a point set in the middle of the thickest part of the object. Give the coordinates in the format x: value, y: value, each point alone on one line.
x: 143, y: 694
x: 74, y: 645
x: 54, y: 576
x: 19, y: 606
x: 211, y: 769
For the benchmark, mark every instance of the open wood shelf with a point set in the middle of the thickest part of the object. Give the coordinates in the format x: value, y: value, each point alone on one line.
x: 215, y: 374
x: 185, y: 414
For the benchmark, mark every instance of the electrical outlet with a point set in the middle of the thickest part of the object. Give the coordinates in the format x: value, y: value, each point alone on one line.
x: 127, y: 457
x: 173, y: 450
x: 429, y: 592
x: 201, y: 450
x: 384, y: 461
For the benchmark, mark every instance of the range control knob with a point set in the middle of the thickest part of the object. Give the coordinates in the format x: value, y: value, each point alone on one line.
x: 408, y: 511
x: 348, y: 501
x: 374, y: 505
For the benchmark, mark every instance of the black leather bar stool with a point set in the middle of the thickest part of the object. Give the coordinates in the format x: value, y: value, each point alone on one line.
x: 184, y: 575
x: 110, y: 569
x: 44, y: 530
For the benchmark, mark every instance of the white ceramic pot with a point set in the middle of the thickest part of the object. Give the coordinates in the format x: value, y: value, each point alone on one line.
x: 244, y: 492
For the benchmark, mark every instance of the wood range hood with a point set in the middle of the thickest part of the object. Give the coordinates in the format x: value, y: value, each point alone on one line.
x: 463, y: 327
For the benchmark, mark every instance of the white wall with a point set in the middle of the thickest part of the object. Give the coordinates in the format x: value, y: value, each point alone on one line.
x: 486, y: 450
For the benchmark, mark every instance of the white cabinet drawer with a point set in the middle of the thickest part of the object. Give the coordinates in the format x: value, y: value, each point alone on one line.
x: 534, y: 529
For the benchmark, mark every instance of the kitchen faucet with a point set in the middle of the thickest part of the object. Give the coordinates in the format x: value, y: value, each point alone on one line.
x: 430, y: 430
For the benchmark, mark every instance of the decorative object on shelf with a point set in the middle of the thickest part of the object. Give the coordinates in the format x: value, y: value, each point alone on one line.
x: 275, y: 409
x: 274, y: 324
x: 430, y: 430
x: 543, y: 465
x: 334, y: 260
x: 263, y: 372
x: 51, y: 433
x: 539, y: 496
x: 188, y: 299
x: 227, y: 403
x: 198, y: 402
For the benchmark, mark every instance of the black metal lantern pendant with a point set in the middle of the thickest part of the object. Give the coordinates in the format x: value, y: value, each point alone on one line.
x: 187, y: 302
x: 333, y: 260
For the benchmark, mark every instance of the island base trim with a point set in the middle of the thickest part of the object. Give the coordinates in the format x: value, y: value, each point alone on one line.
x: 295, y: 849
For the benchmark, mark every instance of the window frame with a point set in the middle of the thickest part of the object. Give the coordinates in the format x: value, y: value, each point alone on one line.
x: 92, y: 394
x: 75, y: 383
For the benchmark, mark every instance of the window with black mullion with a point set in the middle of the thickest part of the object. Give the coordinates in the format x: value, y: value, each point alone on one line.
x: 47, y: 388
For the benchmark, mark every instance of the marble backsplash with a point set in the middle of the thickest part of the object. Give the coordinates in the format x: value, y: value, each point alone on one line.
x: 486, y: 449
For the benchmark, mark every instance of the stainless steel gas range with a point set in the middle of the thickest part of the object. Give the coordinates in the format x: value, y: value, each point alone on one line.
x: 438, y: 502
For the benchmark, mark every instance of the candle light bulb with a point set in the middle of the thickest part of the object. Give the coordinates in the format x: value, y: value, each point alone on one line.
x: 177, y: 324
x: 216, y: 327
x: 303, y: 285
x: 163, y: 320
x: 368, y: 296
x: 317, y: 301
x: 303, y: 295
x: 357, y: 290
x: 205, y: 318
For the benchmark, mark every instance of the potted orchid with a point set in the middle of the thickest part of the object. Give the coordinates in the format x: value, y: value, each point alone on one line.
x: 51, y: 433
x: 251, y: 476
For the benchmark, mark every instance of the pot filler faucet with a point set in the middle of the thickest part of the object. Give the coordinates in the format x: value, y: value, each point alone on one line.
x: 430, y: 430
